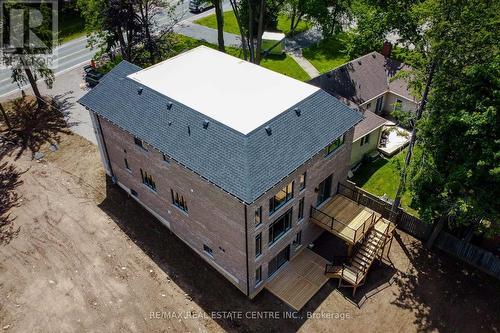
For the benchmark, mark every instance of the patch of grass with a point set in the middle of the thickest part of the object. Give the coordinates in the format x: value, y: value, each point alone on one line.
x: 283, y: 64
x: 328, y: 54
x: 231, y: 25
x: 71, y: 25
x: 382, y: 177
x: 284, y: 25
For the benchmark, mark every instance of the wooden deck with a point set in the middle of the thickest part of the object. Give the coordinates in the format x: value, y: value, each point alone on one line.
x: 349, y: 218
x: 300, y: 280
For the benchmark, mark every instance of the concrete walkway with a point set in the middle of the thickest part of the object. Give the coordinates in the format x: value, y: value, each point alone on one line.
x: 304, y: 63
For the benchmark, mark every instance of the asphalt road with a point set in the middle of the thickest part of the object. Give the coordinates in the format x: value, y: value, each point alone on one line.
x: 75, y: 53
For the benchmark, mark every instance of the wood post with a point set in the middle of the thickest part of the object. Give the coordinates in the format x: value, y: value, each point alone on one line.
x: 349, y: 250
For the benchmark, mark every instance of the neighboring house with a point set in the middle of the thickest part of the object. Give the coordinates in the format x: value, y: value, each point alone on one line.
x: 228, y: 155
x: 366, y: 84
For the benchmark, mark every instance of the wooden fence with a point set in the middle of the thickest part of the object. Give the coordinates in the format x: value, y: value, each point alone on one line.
x: 479, y: 258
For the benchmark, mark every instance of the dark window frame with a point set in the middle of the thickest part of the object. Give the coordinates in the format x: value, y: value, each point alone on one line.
x: 275, y: 204
x: 398, y: 105
x: 258, y: 275
x: 278, y: 261
x: 179, y: 201
x: 258, y: 216
x: 148, y: 180
x: 208, y: 250
x: 302, y: 182
x: 280, y: 226
x: 140, y: 143
x: 365, y: 139
x: 300, y: 214
x: 258, y: 245
x: 335, y: 145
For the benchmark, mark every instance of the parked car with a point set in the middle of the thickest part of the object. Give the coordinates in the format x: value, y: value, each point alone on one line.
x: 197, y: 6
x: 92, y: 76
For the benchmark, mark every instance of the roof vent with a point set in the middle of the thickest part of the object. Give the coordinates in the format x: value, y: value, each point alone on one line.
x: 298, y: 112
x: 205, y: 124
x: 189, y: 130
x: 359, y: 62
x: 169, y: 123
x: 268, y: 129
x: 139, y: 90
x: 169, y: 105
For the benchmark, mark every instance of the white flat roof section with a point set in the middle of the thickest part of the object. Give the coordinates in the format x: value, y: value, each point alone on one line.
x: 277, y: 36
x: 230, y: 90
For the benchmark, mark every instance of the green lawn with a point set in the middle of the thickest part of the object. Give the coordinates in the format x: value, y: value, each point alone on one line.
x: 382, y: 177
x: 231, y: 25
x: 71, y: 25
x: 328, y: 53
x: 283, y: 64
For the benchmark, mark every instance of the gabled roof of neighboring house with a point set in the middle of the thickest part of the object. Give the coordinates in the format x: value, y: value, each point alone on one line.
x: 243, y: 161
x: 365, y: 78
x: 370, y: 123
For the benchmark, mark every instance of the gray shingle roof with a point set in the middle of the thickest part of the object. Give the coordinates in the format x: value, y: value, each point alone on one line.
x: 244, y: 165
x: 363, y: 79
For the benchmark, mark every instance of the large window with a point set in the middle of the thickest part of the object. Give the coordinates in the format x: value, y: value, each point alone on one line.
x: 280, y: 198
x: 258, y: 245
x: 324, y: 190
x: 179, y: 201
x: 147, y: 180
x: 278, y: 261
x: 279, y: 227
x: 334, y: 145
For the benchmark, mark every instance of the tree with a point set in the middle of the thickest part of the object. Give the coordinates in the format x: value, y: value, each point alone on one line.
x: 330, y: 14
x: 460, y: 174
x: 456, y: 180
x: 219, y: 14
x: 251, y: 12
x: 26, y: 61
x: 296, y: 10
x: 131, y: 26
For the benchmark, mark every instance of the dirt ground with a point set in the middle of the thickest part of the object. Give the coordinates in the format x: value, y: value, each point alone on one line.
x: 82, y: 256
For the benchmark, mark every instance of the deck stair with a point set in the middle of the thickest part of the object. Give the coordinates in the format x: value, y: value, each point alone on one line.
x: 354, y: 273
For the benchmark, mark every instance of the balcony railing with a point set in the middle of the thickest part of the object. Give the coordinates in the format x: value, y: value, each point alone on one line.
x: 342, y: 229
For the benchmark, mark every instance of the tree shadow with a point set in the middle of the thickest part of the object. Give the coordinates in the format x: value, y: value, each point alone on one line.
x: 33, y: 126
x: 9, y: 181
x: 445, y: 294
x: 199, y: 281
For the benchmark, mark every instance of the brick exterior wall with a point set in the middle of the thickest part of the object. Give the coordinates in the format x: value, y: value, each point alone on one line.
x: 317, y: 169
x: 214, y: 217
